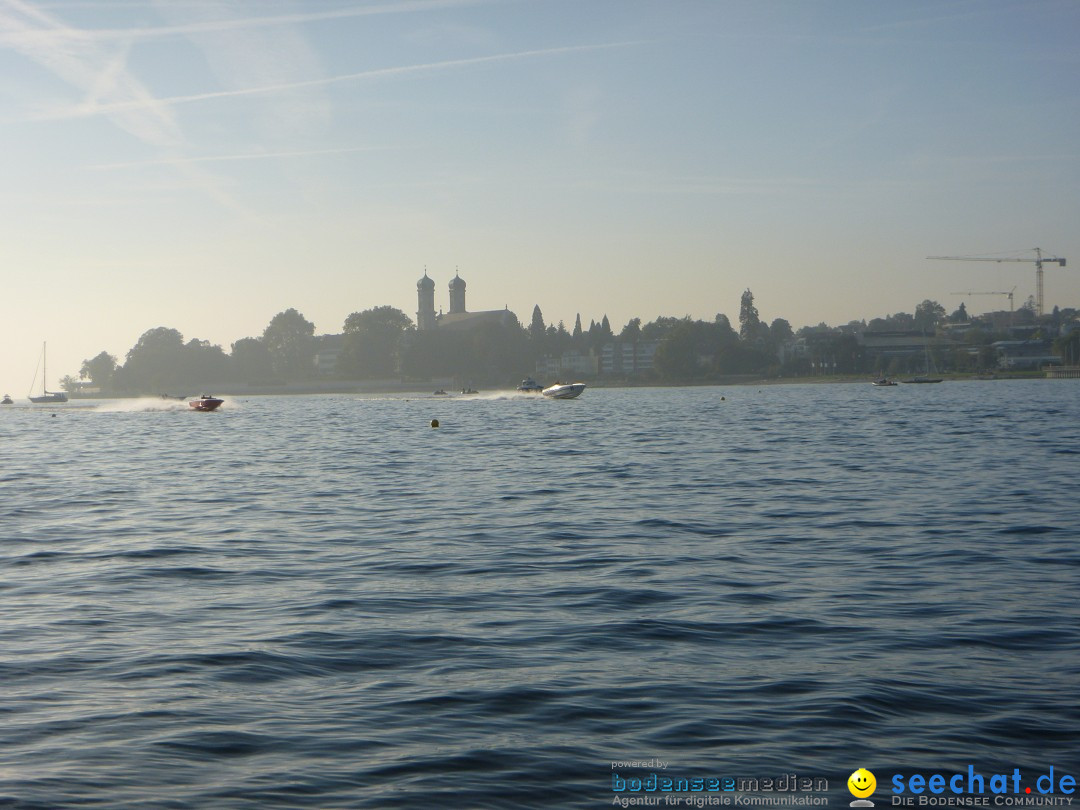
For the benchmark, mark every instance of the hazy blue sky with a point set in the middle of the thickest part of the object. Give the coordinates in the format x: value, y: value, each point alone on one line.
x: 203, y: 165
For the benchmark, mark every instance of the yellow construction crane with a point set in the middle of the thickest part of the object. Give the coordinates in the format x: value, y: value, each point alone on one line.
x: 1038, y: 260
x: 1009, y: 294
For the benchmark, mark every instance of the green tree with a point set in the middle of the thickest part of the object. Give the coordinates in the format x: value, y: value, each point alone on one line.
x: 721, y: 327
x: 537, y: 338
x: 741, y: 357
x: 374, y: 342
x: 928, y: 315
x: 427, y: 354
x: 691, y: 349
x: 605, y: 328
x: 99, y: 370
x: 202, y: 364
x: 251, y: 361
x: 659, y: 329
x: 558, y: 340
x: 676, y: 357
x: 288, y: 338
x: 780, y: 331
x: 749, y: 321
x: 495, y: 353
x: 901, y: 321
x: 152, y: 364
x: 631, y: 333
x: 537, y: 330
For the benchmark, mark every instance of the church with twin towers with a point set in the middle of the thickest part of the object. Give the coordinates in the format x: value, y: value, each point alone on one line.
x: 458, y: 319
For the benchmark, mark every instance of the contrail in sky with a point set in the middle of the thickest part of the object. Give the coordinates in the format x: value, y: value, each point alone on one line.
x: 79, y: 111
x: 101, y: 34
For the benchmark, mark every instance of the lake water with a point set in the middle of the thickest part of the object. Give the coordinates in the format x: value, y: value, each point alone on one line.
x: 322, y: 602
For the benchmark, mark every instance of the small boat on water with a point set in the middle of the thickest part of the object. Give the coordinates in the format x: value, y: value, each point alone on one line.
x: 439, y: 393
x: 564, y: 390
x: 7, y: 400
x: 530, y: 386
x: 46, y: 397
x: 205, y: 403
x: 925, y: 376
x: 883, y: 382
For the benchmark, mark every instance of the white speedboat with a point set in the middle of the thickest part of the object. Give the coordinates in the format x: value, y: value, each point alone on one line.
x: 530, y: 386
x: 564, y: 390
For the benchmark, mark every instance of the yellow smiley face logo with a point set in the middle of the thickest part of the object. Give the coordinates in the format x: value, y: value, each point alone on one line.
x: 861, y: 783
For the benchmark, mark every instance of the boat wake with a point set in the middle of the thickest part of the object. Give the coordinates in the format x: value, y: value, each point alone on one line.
x: 145, y: 405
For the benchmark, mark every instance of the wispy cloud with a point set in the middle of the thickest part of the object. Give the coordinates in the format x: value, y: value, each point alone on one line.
x: 240, y: 57
x: 82, y: 110
x: 100, y: 71
x: 96, y: 70
x: 248, y: 62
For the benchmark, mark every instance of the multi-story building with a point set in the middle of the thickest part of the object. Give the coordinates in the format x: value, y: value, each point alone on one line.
x: 1025, y: 354
x: 327, y: 349
x: 620, y: 358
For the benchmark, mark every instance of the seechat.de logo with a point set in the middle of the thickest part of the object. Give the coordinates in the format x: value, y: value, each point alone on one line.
x: 861, y: 783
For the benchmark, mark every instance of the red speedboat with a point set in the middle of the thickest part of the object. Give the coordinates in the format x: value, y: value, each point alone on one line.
x: 205, y: 403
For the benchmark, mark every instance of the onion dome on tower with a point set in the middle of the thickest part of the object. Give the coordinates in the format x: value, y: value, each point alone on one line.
x: 457, y: 294
x: 425, y: 296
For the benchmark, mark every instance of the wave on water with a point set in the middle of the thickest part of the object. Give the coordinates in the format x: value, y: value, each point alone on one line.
x: 451, y: 396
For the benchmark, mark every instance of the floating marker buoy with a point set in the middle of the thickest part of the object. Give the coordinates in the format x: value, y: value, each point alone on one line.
x: 722, y: 399
x: 434, y: 422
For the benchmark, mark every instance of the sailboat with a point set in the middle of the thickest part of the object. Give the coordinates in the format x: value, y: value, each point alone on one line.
x: 924, y: 378
x: 46, y: 396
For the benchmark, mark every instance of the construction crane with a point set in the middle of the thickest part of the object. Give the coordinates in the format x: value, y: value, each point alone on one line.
x: 1038, y: 260
x: 1009, y: 294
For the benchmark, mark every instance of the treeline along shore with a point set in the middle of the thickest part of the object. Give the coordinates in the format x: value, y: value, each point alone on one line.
x: 381, y: 349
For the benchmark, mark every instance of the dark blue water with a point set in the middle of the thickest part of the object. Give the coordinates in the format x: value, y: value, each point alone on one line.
x: 323, y: 602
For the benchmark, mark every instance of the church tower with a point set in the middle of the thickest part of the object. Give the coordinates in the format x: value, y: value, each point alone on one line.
x: 457, y: 294
x: 425, y: 295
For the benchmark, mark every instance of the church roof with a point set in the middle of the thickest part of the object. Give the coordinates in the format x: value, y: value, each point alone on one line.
x: 425, y: 283
x: 457, y: 282
x: 466, y: 321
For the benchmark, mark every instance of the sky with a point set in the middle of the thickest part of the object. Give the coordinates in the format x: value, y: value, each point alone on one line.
x: 205, y: 164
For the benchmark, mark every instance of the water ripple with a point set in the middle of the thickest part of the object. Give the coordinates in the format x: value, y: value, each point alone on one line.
x: 346, y: 609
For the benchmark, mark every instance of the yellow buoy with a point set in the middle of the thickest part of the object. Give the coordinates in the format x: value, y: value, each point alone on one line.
x: 434, y: 422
